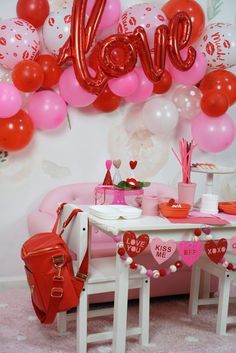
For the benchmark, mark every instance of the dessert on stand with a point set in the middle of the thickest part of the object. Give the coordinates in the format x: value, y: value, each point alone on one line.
x: 209, y: 200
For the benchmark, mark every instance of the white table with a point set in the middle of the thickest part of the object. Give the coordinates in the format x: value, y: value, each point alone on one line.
x: 154, y: 227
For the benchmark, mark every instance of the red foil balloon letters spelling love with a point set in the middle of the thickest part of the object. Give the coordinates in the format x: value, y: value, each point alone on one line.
x: 166, y: 40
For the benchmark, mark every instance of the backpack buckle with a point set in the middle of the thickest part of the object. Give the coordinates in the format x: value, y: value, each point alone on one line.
x: 56, y: 292
x: 58, y: 260
x: 58, y: 264
x: 82, y: 276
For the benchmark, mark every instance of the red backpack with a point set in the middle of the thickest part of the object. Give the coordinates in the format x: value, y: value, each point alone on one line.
x: 48, y: 265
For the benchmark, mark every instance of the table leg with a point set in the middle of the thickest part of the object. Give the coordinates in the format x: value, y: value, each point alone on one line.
x: 120, y: 306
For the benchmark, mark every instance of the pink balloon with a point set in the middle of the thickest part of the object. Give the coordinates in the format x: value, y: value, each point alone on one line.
x: 193, y: 75
x: 147, y: 15
x: 111, y: 13
x: 19, y: 41
x: 10, y: 100
x: 72, y: 92
x: 125, y: 85
x: 47, y: 110
x: 213, y: 134
x: 143, y: 90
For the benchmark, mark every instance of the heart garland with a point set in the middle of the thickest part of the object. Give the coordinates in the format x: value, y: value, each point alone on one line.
x: 162, y: 250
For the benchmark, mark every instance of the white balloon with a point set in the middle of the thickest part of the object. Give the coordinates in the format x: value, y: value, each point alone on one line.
x: 218, y: 43
x: 56, y: 29
x: 160, y: 115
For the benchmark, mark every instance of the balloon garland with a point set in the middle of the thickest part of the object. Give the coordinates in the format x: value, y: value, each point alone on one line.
x: 104, y: 69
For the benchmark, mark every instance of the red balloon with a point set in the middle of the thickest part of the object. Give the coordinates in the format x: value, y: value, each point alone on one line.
x: 51, y: 70
x: 93, y: 61
x: 222, y: 81
x: 107, y: 101
x: 164, y: 84
x: 33, y: 11
x: 122, y: 63
x: 27, y: 76
x: 193, y: 10
x: 180, y: 23
x: 214, y: 103
x: 79, y: 43
x: 16, y: 132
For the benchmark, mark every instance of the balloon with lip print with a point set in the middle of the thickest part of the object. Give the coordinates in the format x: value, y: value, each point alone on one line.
x: 148, y: 15
x: 218, y: 43
x: 56, y: 29
x: 19, y: 41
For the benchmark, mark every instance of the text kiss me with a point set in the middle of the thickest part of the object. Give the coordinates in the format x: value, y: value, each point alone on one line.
x: 169, y: 40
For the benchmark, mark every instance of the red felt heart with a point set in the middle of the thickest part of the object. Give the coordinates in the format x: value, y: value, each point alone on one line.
x: 135, y: 245
x: 216, y: 250
x: 133, y: 164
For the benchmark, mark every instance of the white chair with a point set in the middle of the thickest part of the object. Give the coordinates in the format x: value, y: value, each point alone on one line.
x: 200, y: 290
x: 101, y: 279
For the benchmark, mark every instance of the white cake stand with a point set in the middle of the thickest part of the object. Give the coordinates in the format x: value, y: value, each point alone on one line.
x: 210, y: 175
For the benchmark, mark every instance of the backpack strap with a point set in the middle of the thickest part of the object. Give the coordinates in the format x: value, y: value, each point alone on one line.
x: 59, y: 211
x: 57, y: 289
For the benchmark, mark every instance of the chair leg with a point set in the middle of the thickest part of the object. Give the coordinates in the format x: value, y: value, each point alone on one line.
x: 81, y: 324
x: 222, y: 314
x: 144, y: 309
x: 61, y: 322
x: 194, y: 290
x: 205, y: 285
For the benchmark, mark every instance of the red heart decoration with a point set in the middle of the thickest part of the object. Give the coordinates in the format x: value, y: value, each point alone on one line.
x: 135, y: 245
x: 133, y: 164
x: 215, y: 251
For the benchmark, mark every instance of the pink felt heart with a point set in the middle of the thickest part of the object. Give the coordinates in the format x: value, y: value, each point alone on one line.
x: 162, y: 250
x: 232, y: 243
x: 190, y: 251
x: 117, y: 163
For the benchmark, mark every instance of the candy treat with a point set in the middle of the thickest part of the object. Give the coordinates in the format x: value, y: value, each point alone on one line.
x: 204, y: 166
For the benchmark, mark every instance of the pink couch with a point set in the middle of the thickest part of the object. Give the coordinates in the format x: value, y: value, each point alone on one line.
x: 43, y: 218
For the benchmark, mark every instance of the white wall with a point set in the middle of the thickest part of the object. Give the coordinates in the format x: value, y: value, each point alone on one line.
x: 66, y: 156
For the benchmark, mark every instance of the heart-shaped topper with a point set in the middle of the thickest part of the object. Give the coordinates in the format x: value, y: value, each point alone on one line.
x: 117, y: 163
x: 190, y: 251
x: 133, y: 244
x: 232, y: 243
x: 162, y: 250
x: 215, y: 251
x: 133, y: 164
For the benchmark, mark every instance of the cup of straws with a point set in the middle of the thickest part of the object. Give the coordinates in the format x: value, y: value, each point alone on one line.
x: 186, y: 188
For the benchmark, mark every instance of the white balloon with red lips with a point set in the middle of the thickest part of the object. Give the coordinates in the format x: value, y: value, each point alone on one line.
x: 19, y: 40
x: 148, y: 15
x: 218, y: 43
x: 56, y: 29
